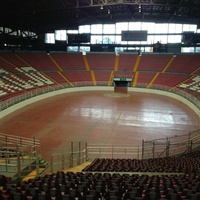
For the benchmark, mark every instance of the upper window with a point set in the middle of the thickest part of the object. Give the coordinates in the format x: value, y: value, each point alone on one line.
x: 61, y: 35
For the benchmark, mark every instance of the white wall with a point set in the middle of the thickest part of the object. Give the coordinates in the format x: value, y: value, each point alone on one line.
x: 77, y: 89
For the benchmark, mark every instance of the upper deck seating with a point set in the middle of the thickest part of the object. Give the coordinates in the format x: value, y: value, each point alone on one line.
x: 124, y: 74
x: 170, y: 80
x: 78, y: 76
x: 127, y: 61
x: 39, y: 60
x: 101, y: 61
x: 69, y: 61
x: 153, y: 62
x: 102, y: 77
x: 144, y: 78
x: 184, y: 63
x: 14, y: 59
x: 6, y: 65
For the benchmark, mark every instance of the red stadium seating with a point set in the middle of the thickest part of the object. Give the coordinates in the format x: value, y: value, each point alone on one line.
x: 153, y: 62
x: 29, y: 70
x: 127, y: 61
x: 69, y: 61
x: 98, y: 61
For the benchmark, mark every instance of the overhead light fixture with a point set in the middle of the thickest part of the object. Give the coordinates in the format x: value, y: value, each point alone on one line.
x: 108, y: 11
x: 140, y: 8
x: 101, y: 7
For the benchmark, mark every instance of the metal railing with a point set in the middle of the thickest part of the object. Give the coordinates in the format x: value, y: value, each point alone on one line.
x: 170, y: 146
x: 113, y: 151
x: 39, y: 91
x: 20, y: 160
x: 18, y: 155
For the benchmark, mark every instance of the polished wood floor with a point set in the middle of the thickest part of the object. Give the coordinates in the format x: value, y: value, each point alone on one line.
x: 96, y: 117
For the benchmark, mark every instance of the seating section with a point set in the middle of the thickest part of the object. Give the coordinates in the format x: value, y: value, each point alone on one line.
x: 10, y: 85
x: 56, y: 77
x: 170, y: 80
x: 124, y: 74
x: 193, y: 83
x: 39, y: 60
x: 69, y: 61
x: 87, y: 186
x: 13, y: 59
x: 153, y: 62
x: 8, y: 66
x: 78, y: 76
x: 102, y: 77
x: 184, y: 63
x: 127, y: 62
x: 34, y: 77
x: 101, y: 61
x: 188, y: 163
x: 23, y: 71
x: 144, y: 78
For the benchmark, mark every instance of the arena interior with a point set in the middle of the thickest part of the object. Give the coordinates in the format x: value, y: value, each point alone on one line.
x: 100, y: 99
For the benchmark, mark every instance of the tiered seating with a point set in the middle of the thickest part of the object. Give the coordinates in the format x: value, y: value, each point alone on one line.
x: 78, y: 76
x: 33, y: 76
x: 124, y: 74
x: 10, y: 85
x: 192, y: 86
x: 170, y: 80
x: 14, y: 59
x: 127, y: 61
x: 69, y: 61
x: 184, y: 63
x: 101, y: 61
x: 153, y: 62
x: 29, y: 70
x: 193, y: 83
x: 197, y: 71
x: 189, y: 163
x: 38, y: 60
x: 12, y: 79
x: 6, y: 65
x: 144, y: 78
x: 102, y: 77
x: 87, y: 186
x: 56, y: 76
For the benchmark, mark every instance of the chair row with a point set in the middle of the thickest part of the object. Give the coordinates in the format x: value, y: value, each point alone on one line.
x: 106, y: 186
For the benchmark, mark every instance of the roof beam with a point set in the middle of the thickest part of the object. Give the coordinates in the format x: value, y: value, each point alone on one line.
x: 94, y: 3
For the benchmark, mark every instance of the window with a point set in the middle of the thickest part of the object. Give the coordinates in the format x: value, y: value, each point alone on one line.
x: 61, y: 35
x: 72, y: 31
x: 148, y: 26
x: 96, y: 39
x: 84, y: 29
x: 161, y: 28
x: 189, y: 27
x: 174, y: 38
x: 121, y: 26
x: 108, y: 28
x: 96, y: 29
x: 187, y: 50
x: 133, y: 26
x: 50, y: 38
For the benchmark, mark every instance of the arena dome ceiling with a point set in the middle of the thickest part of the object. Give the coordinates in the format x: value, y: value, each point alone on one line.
x: 43, y: 16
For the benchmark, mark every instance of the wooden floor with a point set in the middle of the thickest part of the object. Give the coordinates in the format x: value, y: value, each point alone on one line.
x: 97, y: 117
